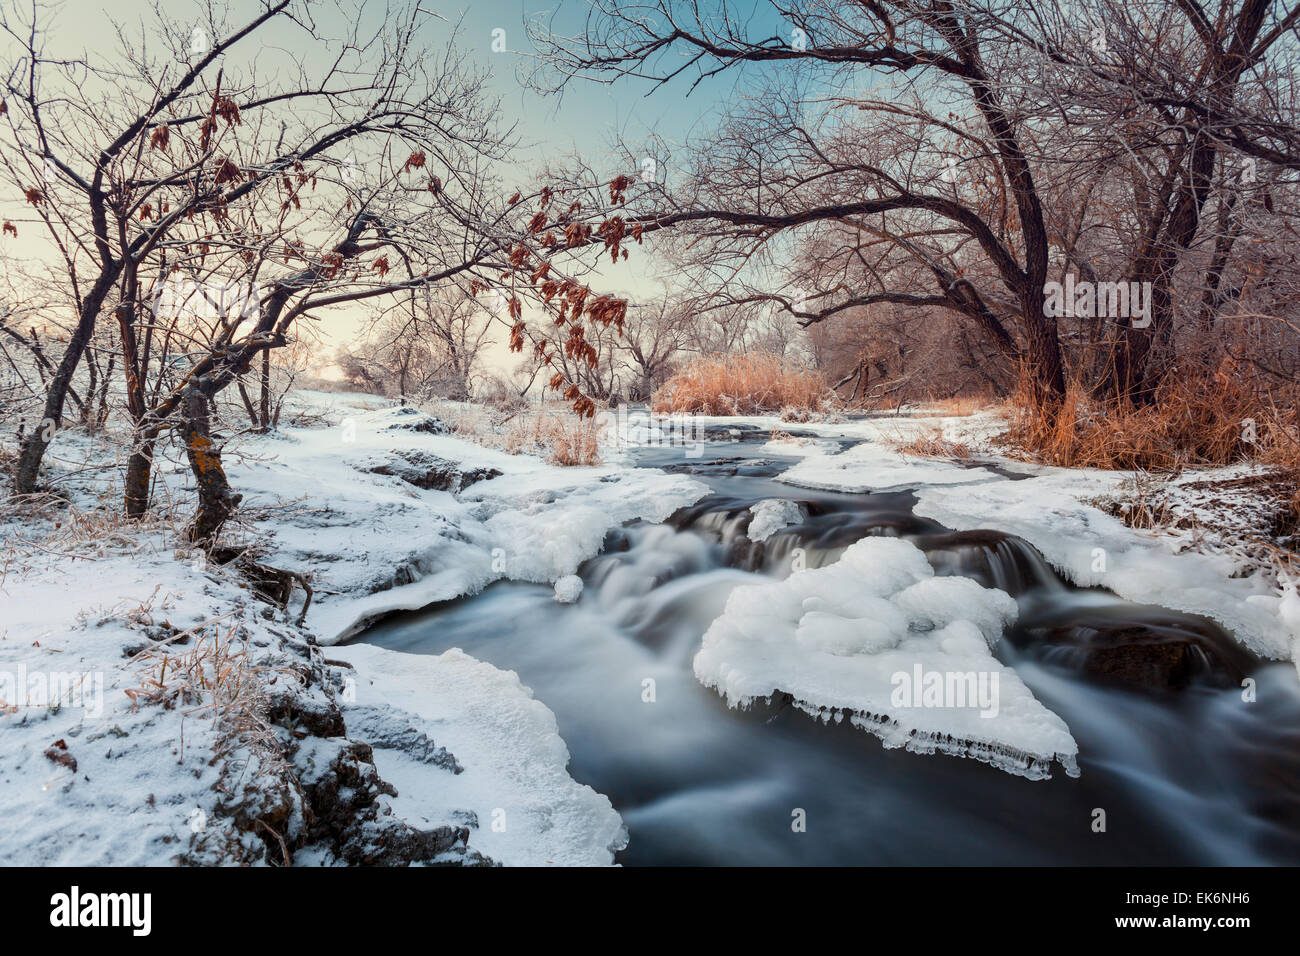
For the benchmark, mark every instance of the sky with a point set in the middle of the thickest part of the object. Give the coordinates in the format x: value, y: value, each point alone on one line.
x: 587, y: 119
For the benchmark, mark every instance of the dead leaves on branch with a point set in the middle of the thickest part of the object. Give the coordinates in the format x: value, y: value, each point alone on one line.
x: 223, y: 108
x: 331, y: 265
x: 612, y: 231
x: 618, y: 187
x: 227, y: 172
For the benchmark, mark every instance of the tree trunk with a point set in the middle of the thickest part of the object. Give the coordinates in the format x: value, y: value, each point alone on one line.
x: 139, y: 473
x: 1043, y: 350
x: 264, y: 409
x: 36, y: 441
x: 216, y: 498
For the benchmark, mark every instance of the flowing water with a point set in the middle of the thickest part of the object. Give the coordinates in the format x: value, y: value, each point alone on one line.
x: 1186, y: 772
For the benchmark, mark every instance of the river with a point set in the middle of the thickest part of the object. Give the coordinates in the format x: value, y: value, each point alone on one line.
x: 1185, y: 774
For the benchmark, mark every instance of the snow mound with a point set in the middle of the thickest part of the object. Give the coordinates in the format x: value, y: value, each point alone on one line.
x: 904, y: 654
x: 873, y: 467
x: 770, y: 516
x: 546, y: 524
x: 515, y: 785
x: 568, y: 589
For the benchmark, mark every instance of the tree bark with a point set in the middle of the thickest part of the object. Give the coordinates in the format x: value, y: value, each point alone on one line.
x: 139, y: 473
x: 264, y: 410
x: 217, y: 501
x: 37, y: 441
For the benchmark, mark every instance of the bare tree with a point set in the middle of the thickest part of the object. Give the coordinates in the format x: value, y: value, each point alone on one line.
x: 656, y: 335
x: 990, y: 143
x: 424, y: 345
x: 360, y: 175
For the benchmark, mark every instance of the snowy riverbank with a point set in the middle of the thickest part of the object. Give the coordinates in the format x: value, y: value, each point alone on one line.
x: 156, y: 711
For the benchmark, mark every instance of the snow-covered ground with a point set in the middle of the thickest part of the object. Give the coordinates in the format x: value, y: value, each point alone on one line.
x: 111, y: 750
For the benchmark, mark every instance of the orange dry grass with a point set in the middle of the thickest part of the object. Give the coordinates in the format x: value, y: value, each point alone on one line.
x: 1213, y: 417
x: 959, y: 406
x: 562, y: 438
x: 933, y: 444
x: 743, y: 385
x: 1195, y: 420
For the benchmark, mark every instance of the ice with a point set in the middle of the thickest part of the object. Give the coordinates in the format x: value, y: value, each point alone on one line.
x: 548, y: 524
x: 873, y: 467
x: 568, y: 589
x: 872, y: 637
x: 938, y: 602
x: 770, y: 516
x: 1289, y: 612
x: 515, y: 781
x: 1051, y: 510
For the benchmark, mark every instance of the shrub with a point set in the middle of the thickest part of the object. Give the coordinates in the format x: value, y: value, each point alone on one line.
x: 1219, y: 416
x: 1194, y: 419
x: 756, y: 383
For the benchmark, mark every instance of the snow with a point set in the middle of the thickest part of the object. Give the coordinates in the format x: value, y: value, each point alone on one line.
x: 770, y: 516
x: 1091, y: 549
x: 856, y: 637
x: 872, y: 467
x: 535, y: 522
x: 74, y: 613
x: 568, y: 589
x: 544, y: 525
x: 1289, y: 611
x: 530, y: 812
x: 141, y: 774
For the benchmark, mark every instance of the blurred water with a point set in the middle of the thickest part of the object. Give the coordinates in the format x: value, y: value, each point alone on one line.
x: 1194, y: 777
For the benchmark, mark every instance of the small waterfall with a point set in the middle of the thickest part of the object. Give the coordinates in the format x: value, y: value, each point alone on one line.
x: 993, y: 559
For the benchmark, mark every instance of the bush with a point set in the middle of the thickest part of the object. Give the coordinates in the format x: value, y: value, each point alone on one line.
x: 751, y: 384
x: 1195, y: 419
